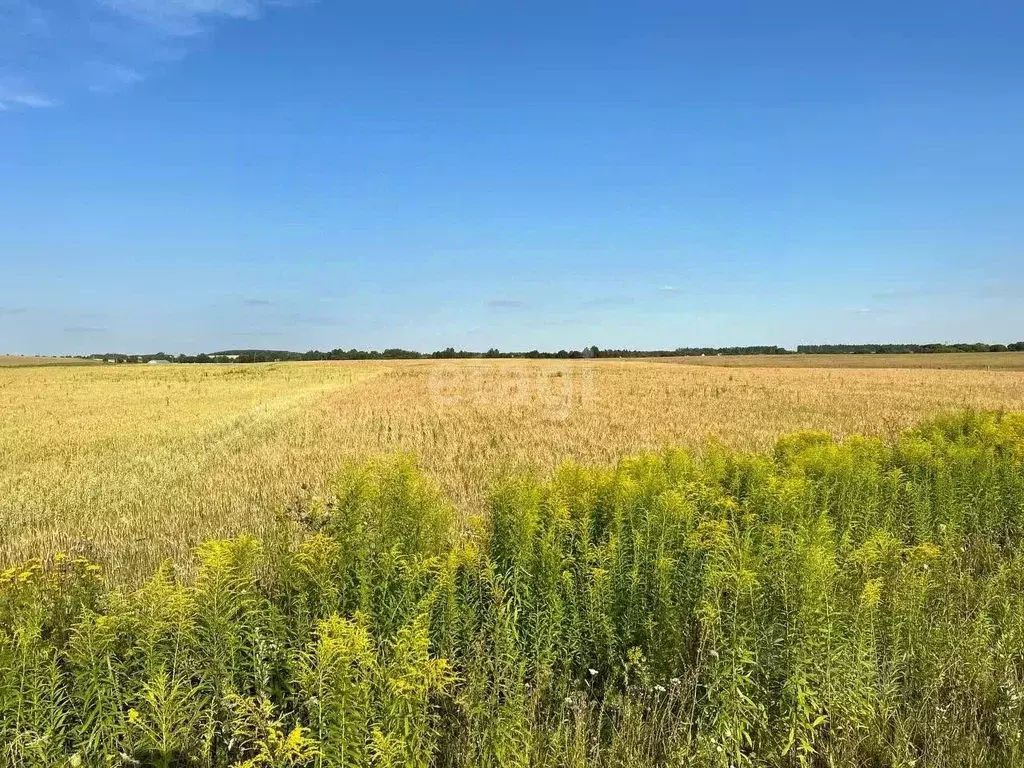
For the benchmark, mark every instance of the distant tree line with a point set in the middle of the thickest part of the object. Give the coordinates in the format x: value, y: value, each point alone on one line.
x: 450, y: 353
x: 904, y: 349
x: 695, y: 352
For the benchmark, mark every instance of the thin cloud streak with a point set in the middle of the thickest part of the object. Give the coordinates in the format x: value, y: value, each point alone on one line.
x: 50, y: 54
x: 298, y: 318
x: 608, y: 301
x: 183, y: 18
x: 14, y: 94
x: 80, y: 329
x: 111, y: 78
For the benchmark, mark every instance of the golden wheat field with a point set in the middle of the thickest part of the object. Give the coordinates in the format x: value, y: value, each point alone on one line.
x: 135, y: 464
x: 21, y: 361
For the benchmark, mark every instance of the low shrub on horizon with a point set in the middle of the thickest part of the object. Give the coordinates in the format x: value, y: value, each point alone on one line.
x: 831, y: 604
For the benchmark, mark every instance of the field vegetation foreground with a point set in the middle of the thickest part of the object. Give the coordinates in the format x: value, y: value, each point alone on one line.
x: 131, y: 465
x: 823, y: 604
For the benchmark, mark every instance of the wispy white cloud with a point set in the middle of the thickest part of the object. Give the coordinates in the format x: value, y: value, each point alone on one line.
x: 608, y: 301
x: 110, y: 78
x: 85, y: 329
x: 184, y: 17
x: 51, y: 50
x: 24, y: 17
x: 15, y: 93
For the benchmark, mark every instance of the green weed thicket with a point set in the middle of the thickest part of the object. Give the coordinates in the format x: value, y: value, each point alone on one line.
x: 855, y: 604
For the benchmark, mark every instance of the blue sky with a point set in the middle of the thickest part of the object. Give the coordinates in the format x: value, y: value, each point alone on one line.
x: 184, y: 175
